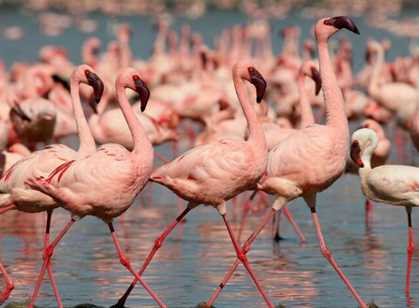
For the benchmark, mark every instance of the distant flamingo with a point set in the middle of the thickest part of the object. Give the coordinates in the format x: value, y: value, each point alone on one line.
x: 79, y: 186
x: 213, y: 173
x: 15, y: 194
x: 312, y: 158
x: 391, y: 184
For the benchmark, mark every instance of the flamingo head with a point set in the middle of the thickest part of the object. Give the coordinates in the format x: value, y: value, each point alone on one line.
x: 130, y: 78
x: 86, y: 74
x: 142, y: 90
x: 326, y: 27
x: 258, y: 81
x: 364, y: 142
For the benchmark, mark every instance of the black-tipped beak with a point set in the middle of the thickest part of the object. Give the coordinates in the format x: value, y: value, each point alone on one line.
x: 58, y: 79
x: 356, y: 154
x: 315, y: 75
x: 20, y: 113
x: 204, y: 59
x: 340, y: 22
x: 259, y: 82
x: 143, y: 91
x: 97, y: 84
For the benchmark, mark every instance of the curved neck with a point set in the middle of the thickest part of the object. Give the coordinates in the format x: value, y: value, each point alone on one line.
x: 256, y: 134
x: 307, y: 117
x: 89, y: 57
x: 140, y: 140
x: 335, y: 112
x: 373, y: 87
x: 87, y: 142
x: 125, y: 54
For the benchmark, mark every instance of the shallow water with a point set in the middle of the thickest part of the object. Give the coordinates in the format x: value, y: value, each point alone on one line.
x: 194, y: 258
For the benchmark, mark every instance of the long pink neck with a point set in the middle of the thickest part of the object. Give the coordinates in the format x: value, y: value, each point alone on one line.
x: 335, y: 112
x: 307, y: 117
x: 373, y: 87
x: 125, y: 55
x: 256, y: 134
x: 87, y: 142
x: 141, y: 143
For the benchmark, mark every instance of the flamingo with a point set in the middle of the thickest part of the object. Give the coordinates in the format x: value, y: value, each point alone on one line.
x: 79, y: 188
x: 379, y: 157
x: 391, y: 184
x: 312, y: 158
x: 15, y: 194
x: 216, y: 172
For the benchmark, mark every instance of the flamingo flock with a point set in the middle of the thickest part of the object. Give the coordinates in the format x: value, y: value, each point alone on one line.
x: 249, y: 123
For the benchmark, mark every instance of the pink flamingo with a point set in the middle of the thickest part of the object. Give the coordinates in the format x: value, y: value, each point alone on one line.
x: 312, y: 158
x: 391, y: 184
x: 379, y: 157
x: 15, y: 194
x: 216, y: 172
x: 79, y: 187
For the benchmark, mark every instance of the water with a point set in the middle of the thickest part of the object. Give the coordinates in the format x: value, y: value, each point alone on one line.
x: 194, y: 258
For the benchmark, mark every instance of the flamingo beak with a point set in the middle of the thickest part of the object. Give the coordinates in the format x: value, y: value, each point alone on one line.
x: 340, y: 22
x: 356, y: 154
x: 18, y: 111
x: 259, y: 82
x: 142, y: 90
x: 58, y: 79
x: 204, y: 59
x: 97, y: 84
x: 315, y: 75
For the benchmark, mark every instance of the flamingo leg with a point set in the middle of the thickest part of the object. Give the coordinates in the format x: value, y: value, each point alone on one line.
x: 127, y: 264
x: 48, y: 253
x: 311, y: 202
x: 49, y: 267
x: 157, y: 244
x: 245, y: 248
x: 4, y: 295
x: 243, y: 259
x: 294, y: 224
x: 9, y: 285
x: 368, y: 212
x: 7, y: 208
x: 275, y: 227
x: 410, y: 249
x: 246, y: 208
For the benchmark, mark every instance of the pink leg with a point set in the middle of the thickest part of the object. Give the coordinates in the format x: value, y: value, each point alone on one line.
x: 410, y: 249
x: 49, y: 267
x: 127, y: 264
x: 9, y: 285
x: 49, y: 251
x: 157, y: 244
x: 328, y: 255
x: 294, y: 224
x: 245, y: 248
x: 368, y: 212
x: 243, y: 259
x: 246, y: 208
x: 7, y: 208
